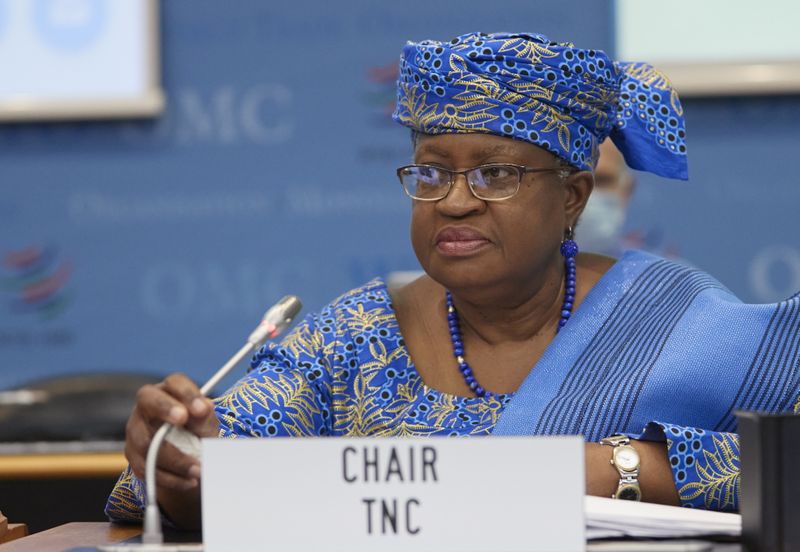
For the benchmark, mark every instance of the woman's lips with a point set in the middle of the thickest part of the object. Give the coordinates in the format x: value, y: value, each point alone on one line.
x: 458, y: 242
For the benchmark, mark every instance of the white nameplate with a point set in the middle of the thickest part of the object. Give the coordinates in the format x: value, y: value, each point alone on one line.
x: 491, y: 494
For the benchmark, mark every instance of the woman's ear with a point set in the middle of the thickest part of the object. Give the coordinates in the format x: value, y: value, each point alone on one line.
x: 578, y: 186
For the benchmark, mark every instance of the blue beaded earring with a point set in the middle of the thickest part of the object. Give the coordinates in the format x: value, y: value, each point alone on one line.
x: 569, y: 249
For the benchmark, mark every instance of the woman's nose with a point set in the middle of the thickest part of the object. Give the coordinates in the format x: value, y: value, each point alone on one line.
x: 460, y: 200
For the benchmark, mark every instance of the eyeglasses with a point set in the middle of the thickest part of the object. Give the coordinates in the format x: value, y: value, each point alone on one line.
x: 493, y: 182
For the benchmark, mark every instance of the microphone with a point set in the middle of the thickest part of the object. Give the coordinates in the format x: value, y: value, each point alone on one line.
x: 273, y: 323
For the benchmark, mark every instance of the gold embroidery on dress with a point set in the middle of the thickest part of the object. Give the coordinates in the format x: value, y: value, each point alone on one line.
x: 363, y: 321
x: 306, y: 342
x: 719, y: 475
x: 360, y: 414
x: 289, y: 390
x: 488, y: 410
x: 443, y: 411
x: 124, y: 502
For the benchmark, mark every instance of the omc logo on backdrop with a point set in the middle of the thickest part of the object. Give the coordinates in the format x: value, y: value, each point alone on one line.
x: 382, y: 95
x: 34, y: 281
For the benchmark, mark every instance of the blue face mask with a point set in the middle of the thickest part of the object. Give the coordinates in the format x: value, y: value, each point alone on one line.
x: 600, y: 226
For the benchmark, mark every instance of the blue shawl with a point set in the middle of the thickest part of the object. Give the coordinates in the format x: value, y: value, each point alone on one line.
x: 655, y: 340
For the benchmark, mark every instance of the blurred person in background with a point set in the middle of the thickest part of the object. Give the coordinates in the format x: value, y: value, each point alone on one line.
x: 600, y: 228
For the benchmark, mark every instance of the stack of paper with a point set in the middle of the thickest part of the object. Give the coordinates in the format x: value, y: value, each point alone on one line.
x: 608, y: 518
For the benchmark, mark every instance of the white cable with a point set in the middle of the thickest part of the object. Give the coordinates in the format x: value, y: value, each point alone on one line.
x: 275, y: 320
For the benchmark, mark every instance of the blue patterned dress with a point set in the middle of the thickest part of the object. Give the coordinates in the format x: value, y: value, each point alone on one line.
x: 641, y: 352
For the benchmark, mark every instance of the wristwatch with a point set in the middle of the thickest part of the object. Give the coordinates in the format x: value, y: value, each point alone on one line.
x: 625, y: 458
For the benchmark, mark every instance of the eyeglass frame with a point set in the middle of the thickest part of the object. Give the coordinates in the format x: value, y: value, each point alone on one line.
x: 522, y: 170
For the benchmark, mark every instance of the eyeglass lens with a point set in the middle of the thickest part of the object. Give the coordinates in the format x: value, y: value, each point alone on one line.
x: 490, y: 182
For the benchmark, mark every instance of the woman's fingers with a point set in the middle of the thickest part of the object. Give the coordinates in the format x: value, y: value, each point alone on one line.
x: 180, y: 386
x: 168, y: 480
x: 170, y: 461
x: 173, y: 461
x: 156, y: 405
x: 137, y: 439
x: 206, y: 425
x: 178, y: 401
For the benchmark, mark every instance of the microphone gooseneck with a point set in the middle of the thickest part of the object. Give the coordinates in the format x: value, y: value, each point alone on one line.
x: 273, y: 323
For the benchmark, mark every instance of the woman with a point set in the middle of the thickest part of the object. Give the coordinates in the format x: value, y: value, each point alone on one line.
x: 511, y: 332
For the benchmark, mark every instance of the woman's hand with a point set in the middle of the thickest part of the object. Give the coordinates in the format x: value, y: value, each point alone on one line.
x: 655, y: 474
x: 178, y: 401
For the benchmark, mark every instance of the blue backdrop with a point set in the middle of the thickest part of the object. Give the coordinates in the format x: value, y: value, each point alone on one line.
x: 155, y: 246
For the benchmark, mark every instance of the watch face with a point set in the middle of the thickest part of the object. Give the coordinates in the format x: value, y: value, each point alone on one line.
x: 626, y: 458
x: 629, y: 492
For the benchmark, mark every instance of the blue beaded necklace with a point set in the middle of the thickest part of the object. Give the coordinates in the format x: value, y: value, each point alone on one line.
x: 569, y: 249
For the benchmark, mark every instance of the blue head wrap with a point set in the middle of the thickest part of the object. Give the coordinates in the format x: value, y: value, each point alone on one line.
x: 564, y: 99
